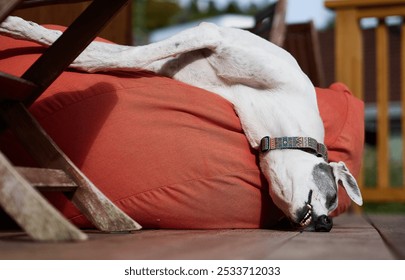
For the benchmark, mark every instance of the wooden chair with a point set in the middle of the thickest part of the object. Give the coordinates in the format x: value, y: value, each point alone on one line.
x: 301, y: 40
x: 270, y: 22
x: 17, y: 195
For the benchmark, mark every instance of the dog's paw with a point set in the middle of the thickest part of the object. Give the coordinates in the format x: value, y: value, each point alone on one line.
x: 21, y: 29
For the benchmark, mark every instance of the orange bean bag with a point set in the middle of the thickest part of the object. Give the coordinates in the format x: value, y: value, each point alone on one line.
x: 170, y: 155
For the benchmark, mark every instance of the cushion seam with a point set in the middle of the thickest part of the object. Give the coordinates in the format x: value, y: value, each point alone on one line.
x: 74, y: 102
x: 188, y: 182
x: 173, y: 186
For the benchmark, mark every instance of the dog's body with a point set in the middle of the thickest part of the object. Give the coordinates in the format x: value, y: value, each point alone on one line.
x: 270, y: 94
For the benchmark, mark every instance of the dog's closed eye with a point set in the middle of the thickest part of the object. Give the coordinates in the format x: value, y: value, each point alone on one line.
x: 331, y: 201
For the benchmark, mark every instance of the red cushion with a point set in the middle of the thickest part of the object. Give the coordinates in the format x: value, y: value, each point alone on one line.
x: 169, y: 154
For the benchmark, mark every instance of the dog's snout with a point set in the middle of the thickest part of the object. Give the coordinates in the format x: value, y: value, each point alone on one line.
x: 323, y: 223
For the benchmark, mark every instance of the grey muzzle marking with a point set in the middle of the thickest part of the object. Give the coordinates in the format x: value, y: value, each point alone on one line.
x: 307, y: 144
x: 309, y: 197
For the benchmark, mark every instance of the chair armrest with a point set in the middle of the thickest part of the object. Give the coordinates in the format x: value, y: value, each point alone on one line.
x: 14, y: 88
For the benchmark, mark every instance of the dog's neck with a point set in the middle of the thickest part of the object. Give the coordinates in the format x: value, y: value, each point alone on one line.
x: 278, y: 115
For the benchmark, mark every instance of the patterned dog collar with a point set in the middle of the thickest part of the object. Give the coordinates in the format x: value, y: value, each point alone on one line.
x: 307, y: 144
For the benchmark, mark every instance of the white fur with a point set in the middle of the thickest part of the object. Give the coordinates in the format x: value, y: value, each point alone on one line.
x: 270, y: 93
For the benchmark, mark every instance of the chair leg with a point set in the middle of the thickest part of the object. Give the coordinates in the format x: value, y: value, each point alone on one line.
x: 73, y: 41
x: 6, y: 7
x: 87, y: 198
x: 30, y: 210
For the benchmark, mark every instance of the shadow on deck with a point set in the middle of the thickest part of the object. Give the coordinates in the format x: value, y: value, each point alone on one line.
x: 353, y: 237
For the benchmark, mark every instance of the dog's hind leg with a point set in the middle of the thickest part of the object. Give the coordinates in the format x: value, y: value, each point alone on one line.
x: 21, y: 29
x: 100, y: 56
x: 150, y: 57
x: 18, y: 28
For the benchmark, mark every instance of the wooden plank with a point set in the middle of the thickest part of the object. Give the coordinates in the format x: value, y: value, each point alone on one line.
x: 383, y: 132
x: 344, y: 4
x: 155, y: 244
x: 383, y: 195
x: 350, y: 238
x: 382, y: 12
x: 47, y: 179
x: 158, y: 244
x: 392, y: 230
x: 369, y: 8
x: 30, y: 210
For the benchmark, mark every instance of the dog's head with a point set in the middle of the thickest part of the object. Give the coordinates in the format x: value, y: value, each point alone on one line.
x: 306, y: 188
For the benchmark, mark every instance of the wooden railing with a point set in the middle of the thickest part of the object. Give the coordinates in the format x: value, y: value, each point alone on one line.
x: 350, y: 70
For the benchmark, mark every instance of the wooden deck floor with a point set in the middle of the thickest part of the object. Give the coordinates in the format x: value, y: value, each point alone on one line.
x: 353, y: 237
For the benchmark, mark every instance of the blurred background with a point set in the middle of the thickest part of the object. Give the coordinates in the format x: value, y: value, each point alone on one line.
x: 155, y: 20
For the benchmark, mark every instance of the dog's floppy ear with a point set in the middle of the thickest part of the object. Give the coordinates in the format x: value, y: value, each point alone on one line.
x: 343, y: 175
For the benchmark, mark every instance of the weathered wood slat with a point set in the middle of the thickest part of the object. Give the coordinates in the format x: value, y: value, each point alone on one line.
x: 164, y: 244
x: 206, y: 244
x: 383, y: 133
x: 24, y: 204
x: 392, y: 230
x: 47, y: 179
x: 386, y: 195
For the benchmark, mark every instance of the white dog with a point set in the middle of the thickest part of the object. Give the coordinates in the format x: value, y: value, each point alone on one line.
x: 274, y: 99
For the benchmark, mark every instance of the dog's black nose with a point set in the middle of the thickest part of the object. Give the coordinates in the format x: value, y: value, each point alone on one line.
x: 323, y: 223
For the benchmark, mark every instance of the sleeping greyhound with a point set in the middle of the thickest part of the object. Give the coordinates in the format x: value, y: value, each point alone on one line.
x: 274, y: 99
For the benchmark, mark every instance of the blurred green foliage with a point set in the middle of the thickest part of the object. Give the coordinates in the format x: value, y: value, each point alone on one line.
x: 396, y: 176
x: 149, y: 15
